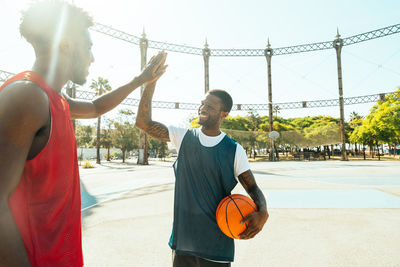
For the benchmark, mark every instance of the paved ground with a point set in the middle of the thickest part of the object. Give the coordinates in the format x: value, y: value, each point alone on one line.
x: 321, y: 214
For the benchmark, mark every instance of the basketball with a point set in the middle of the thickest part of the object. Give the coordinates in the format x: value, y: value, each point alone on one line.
x: 231, y: 211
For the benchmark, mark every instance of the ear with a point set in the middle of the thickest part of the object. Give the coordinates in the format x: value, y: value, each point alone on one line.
x: 224, y: 115
x: 66, y: 47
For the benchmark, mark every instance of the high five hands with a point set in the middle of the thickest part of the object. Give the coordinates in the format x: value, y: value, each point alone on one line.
x: 155, y: 68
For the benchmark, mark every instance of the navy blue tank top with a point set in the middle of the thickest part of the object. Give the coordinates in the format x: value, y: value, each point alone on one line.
x: 204, y: 176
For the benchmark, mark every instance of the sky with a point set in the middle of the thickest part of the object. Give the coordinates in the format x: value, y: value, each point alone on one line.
x: 368, y: 67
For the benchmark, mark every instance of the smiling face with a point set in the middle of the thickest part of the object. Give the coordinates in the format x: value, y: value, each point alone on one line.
x: 210, y: 112
x: 82, y: 57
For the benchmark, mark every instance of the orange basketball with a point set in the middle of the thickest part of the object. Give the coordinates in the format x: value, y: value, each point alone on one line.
x: 231, y: 211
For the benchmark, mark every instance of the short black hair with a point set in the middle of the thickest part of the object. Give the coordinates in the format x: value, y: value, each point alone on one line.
x: 42, y: 20
x: 225, y: 98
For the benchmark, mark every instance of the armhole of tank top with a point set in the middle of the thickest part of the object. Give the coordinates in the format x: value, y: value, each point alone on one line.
x: 183, y: 140
x: 51, y: 130
x: 50, y: 115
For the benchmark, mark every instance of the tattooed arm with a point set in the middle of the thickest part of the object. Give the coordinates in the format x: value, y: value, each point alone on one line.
x: 256, y: 219
x: 143, y: 120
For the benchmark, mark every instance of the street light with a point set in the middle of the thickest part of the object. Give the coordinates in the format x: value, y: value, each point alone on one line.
x: 273, y: 135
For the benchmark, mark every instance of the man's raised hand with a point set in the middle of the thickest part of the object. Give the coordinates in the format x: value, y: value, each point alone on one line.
x: 155, y: 68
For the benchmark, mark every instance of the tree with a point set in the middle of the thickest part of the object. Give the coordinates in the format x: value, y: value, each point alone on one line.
x: 363, y: 135
x: 105, y: 137
x: 125, y: 135
x: 385, y: 121
x: 295, y: 133
x: 159, y: 148
x: 100, y: 86
x: 83, y: 137
x: 382, y: 124
x: 277, y: 110
x: 355, y: 121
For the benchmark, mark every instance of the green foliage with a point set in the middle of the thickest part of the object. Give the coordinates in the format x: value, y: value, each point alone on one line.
x: 87, y: 164
x: 100, y: 85
x: 84, y: 135
x: 252, y: 131
x: 194, y: 123
x: 105, y: 136
x: 125, y: 135
x: 382, y: 124
x: 113, y: 155
x: 158, y: 148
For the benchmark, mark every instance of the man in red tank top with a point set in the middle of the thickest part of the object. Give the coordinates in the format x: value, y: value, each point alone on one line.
x: 40, y: 220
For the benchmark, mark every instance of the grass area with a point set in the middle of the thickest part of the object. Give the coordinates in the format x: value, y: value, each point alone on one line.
x: 352, y: 158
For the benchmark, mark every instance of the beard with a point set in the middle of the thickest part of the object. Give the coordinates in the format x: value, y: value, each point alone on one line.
x: 208, y: 122
x: 79, y: 73
x: 78, y: 78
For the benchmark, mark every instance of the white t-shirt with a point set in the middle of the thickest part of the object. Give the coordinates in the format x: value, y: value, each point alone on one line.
x: 241, y: 163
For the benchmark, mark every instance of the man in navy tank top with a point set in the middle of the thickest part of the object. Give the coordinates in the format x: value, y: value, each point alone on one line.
x: 208, y: 166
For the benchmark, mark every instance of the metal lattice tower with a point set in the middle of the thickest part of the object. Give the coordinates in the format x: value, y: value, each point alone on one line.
x: 338, y: 44
x: 107, y: 30
x: 206, y: 52
x: 81, y: 94
x: 89, y: 95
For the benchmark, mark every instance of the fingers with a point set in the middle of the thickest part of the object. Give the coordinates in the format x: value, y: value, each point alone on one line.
x: 249, y: 232
x: 248, y: 218
x: 254, y: 224
x: 152, y: 58
x: 155, y: 68
x: 160, y: 72
x: 156, y: 59
x: 160, y: 61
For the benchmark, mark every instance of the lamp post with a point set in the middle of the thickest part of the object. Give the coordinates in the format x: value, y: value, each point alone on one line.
x: 273, y: 135
x: 338, y: 44
x: 268, y: 52
x: 206, y: 56
x: 142, y: 157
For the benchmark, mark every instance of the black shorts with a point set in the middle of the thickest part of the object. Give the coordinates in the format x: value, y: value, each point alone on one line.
x: 192, y: 261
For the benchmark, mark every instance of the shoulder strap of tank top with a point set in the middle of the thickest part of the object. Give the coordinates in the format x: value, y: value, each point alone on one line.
x: 30, y: 76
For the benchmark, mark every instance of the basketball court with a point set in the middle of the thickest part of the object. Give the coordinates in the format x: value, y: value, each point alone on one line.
x: 321, y: 213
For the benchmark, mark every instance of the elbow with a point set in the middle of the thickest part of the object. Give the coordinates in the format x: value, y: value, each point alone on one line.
x: 140, y: 124
x: 98, y: 111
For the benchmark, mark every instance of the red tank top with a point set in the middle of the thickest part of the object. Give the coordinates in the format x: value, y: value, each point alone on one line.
x: 46, y: 204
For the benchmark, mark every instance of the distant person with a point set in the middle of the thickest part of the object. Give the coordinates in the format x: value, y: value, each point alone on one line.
x: 206, y: 171
x: 40, y: 218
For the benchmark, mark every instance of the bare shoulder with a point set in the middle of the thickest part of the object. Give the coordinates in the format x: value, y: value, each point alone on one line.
x: 24, y: 102
x: 21, y: 91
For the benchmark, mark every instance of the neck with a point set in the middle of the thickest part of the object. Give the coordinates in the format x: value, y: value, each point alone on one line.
x: 53, y: 73
x: 214, y: 131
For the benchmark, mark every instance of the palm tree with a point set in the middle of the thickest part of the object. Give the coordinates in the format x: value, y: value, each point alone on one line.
x: 354, y: 115
x: 277, y: 110
x: 100, y: 86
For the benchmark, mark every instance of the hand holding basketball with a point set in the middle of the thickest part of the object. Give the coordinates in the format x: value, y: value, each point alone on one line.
x: 237, y: 217
x: 256, y: 222
x: 230, y: 213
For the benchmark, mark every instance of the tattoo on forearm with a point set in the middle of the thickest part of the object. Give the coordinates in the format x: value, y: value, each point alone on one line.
x: 257, y: 195
x: 155, y: 129
x: 250, y: 185
x: 158, y: 131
